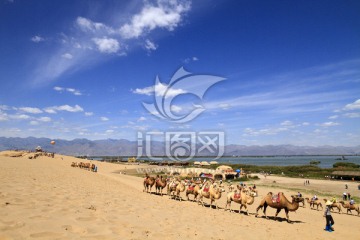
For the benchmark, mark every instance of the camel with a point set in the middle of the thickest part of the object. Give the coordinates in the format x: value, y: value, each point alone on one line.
x: 194, y: 190
x: 314, y: 203
x: 334, y: 205
x: 254, y: 190
x: 148, y: 183
x: 302, y: 201
x: 279, y: 203
x: 350, y: 207
x: 242, y: 198
x: 160, y: 184
x: 212, y: 192
x: 174, y: 189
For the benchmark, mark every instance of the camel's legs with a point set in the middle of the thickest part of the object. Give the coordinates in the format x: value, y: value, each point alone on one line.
x: 277, y: 212
x: 226, y: 206
x: 246, y: 209
x: 287, y: 214
x: 265, y: 206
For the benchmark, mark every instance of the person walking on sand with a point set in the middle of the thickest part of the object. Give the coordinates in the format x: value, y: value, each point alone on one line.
x: 329, y: 219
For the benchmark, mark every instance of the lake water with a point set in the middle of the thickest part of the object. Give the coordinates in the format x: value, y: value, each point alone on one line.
x: 325, y: 161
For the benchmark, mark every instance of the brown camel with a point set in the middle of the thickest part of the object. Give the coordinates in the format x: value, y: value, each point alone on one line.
x: 350, y: 207
x: 302, y: 201
x: 193, y: 189
x: 148, y: 183
x: 279, y: 202
x: 242, y: 198
x: 212, y: 192
x: 314, y: 203
x: 160, y: 184
x: 174, y: 189
x: 334, y: 205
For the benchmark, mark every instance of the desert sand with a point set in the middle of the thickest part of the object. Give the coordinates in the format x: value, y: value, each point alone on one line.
x: 45, y: 198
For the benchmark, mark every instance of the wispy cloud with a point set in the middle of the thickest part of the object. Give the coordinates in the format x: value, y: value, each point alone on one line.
x: 91, y: 42
x: 37, y: 39
x: 70, y: 90
x: 353, y: 106
x: 30, y: 110
x: 67, y: 56
x: 107, y: 45
x: 329, y: 124
x: 67, y: 108
x: 150, y: 46
x: 161, y: 89
x: 164, y: 14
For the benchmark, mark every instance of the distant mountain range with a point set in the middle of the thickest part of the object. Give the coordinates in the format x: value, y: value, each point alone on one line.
x: 121, y: 147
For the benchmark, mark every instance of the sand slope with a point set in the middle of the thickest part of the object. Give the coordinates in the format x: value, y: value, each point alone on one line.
x: 45, y: 198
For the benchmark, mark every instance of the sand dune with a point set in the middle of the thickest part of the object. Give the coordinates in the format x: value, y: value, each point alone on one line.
x: 45, y: 198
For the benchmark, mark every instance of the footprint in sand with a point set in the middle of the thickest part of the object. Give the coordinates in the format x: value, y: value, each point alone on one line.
x: 75, y: 229
x: 11, y: 225
x: 46, y: 235
x: 86, y: 218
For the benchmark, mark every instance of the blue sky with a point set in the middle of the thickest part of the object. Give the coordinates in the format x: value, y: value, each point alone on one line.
x: 290, y: 70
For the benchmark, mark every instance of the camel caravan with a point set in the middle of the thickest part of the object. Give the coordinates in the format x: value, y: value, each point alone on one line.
x: 87, y: 166
x: 210, y: 190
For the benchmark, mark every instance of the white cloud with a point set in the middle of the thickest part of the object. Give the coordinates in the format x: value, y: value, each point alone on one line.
x: 150, y: 46
x: 37, y: 39
x: 353, y: 106
x: 20, y: 116
x: 141, y: 119
x: 74, y: 91
x: 165, y: 15
x: 305, y: 124
x: 334, y: 117
x: 67, y: 56
x: 50, y: 110
x: 192, y: 59
x: 352, y: 115
x: 88, y: 25
x: 30, y: 110
x: 224, y: 106
x: 34, y: 123
x: 67, y: 108
x: 110, y: 131
x: 58, y: 89
x: 3, y: 116
x: 4, y: 107
x: 160, y: 90
x: 89, y: 114
x: 107, y: 45
x: 44, y: 119
x: 329, y: 124
x: 104, y: 119
x: 144, y: 91
x: 265, y: 131
x: 176, y: 108
x: 70, y: 90
x: 287, y: 123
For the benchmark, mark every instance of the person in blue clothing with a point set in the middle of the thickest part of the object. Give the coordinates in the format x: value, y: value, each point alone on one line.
x: 329, y: 219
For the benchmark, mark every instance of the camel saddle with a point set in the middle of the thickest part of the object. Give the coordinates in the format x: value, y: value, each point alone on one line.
x: 276, y: 198
x: 191, y: 187
x: 237, y: 195
x: 206, y: 189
